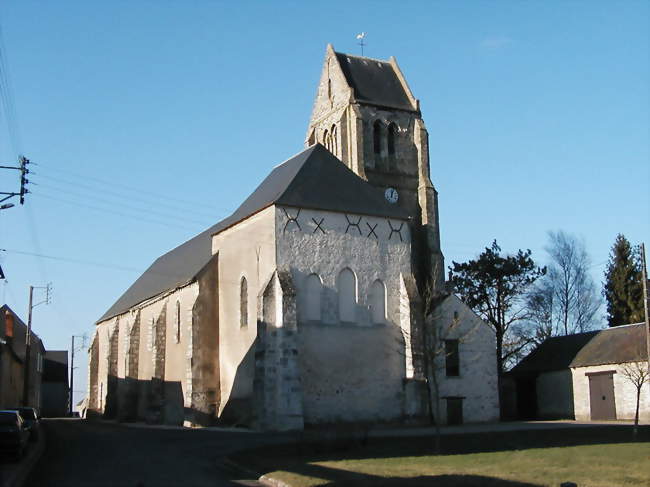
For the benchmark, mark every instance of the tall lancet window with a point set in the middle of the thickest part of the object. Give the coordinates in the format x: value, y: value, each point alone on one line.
x: 243, y: 303
x: 376, y: 137
x: 392, y: 132
x: 326, y: 139
x: 313, y: 291
x: 377, y: 301
x: 347, y: 287
x: 334, y: 144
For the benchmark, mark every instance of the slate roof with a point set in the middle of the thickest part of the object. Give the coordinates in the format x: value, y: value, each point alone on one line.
x: 615, y: 345
x: 619, y: 344
x: 313, y: 179
x: 555, y: 353
x: 374, y: 81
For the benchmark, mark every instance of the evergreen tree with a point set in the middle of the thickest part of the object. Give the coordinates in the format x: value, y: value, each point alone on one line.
x: 623, y: 287
x: 495, y: 287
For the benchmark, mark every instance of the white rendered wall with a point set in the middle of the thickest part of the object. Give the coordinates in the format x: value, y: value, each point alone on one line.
x: 350, y: 370
x: 624, y: 394
x: 247, y: 249
x: 477, y: 382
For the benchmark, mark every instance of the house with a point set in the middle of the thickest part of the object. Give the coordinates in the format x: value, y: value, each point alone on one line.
x: 13, y: 336
x: 55, y: 390
x: 306, y: 305
x: 582, y: 376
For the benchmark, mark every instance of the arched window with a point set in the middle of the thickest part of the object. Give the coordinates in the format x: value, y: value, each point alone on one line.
x: 313, y: 290
x: 177, y: 322
x: 243, y: 303
x: 334, y: 145
x: 326, y: 139
x: 377, y: 302
x: 347, y: 287
x: 392, y: 132
x: 376, y: 137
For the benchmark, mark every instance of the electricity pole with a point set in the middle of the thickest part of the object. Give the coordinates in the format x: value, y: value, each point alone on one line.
x: 23, y: 162
x: 644, y: 275
x: 28, y: 337
x: 72, y: 367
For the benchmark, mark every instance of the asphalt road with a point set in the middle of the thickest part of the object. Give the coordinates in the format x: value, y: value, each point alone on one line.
x: 86, y: 453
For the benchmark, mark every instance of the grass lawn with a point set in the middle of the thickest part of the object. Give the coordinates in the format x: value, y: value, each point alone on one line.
x: 515, y: 459
x: 622, y: 464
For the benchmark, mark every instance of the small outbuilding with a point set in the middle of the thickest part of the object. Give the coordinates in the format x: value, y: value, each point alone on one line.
x: 602, y: 387
x: 584, y: 376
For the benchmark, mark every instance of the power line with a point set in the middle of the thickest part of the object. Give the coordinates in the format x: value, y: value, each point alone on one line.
x: 112, y: 204
x: 71, y: 260
x: 118, y: 213
x: 7, y: 100
x: 86, y: 262
x: 112, y: 184
x: 118, y: 194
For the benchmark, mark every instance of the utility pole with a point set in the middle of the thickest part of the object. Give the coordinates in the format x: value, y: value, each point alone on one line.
x: 72, y: 367
x: 28, y: 348
x: 644, y: 275
x: 22, y: 167
x: 28, y: 337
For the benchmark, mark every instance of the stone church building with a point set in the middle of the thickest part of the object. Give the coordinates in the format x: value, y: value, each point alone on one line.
x: 307, y: 305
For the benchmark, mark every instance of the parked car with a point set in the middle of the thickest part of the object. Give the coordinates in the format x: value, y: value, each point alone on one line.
x: 32, y: 421
x: 13, y: 434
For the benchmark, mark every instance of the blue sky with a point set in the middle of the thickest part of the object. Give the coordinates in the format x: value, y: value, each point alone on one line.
x: 152, y: 120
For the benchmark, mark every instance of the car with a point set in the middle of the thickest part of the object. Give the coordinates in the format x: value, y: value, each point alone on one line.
x: 13, y: 434
x: 32, y: 421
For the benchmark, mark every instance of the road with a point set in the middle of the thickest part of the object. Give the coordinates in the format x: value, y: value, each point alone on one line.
x: 89, y: 454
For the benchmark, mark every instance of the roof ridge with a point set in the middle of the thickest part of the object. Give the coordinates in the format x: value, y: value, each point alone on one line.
x: 387, y: 61
x: 311, y: 147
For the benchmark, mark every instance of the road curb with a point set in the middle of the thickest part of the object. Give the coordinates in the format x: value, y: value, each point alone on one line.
x: 17, y: 477
x: 262, y: 479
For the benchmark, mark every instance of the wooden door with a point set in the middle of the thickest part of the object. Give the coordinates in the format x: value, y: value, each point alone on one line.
x: 601, y: 396
x: 454, y: 410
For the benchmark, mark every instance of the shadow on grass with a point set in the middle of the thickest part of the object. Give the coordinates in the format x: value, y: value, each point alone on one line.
x: 337, y: 477
x: 300, y: 457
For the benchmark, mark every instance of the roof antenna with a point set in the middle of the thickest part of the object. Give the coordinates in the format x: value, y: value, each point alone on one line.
x: 360, y: 38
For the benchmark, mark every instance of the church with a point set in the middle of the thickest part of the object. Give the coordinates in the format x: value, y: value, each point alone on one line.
x: 321, y: 299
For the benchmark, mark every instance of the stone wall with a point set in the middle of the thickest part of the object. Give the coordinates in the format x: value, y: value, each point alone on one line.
x: 624, y: 393
x: 347, y: 368
x: 133, y: 350
x: 278, y: 399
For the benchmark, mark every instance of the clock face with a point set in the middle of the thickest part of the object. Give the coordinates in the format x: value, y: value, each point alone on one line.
x: 391, y: 195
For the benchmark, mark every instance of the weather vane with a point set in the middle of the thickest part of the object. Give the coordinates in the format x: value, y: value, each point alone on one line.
x: 360, y: 38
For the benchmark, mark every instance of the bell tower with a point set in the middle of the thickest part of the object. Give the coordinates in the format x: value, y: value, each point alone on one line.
x: 366, y: 115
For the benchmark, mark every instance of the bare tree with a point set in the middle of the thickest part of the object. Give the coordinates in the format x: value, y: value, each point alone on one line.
x: 565, y: 300
x: 637, y: 373
x: 540, y: 307
x: 434, y: 332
